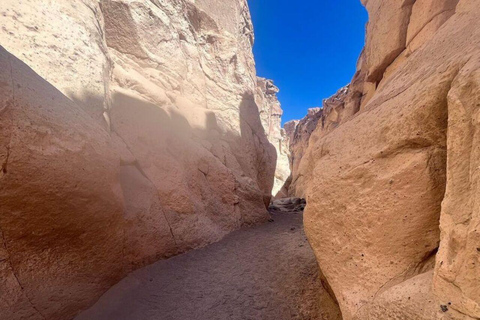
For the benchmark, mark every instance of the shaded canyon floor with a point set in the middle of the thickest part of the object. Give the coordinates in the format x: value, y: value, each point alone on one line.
x: 264, y: 272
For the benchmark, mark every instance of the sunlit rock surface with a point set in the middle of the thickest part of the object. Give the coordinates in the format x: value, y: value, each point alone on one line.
x: 129, y: 133
x: 389, y: 171
x: 271, y: 117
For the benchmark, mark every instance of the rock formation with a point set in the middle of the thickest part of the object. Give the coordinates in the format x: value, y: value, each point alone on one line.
x: 129, y: 133
x: 329, y: 115
x: 290, y: 127
x: 390, y: 169
x: 271, y: 117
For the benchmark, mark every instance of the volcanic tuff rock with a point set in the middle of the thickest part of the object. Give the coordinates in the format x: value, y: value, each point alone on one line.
x: 129, y: 132
x: 390, y: 172
x: 271, y: 117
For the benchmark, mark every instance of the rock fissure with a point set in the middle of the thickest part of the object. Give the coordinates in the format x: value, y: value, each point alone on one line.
x: 109, y: 65
x: 137, y: 165
x: 429, y: 21
x: 4, y: 168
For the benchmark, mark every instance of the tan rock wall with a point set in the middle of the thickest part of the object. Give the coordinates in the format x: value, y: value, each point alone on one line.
x: 271, y: 117
x: 398, y: 162
x: 298, y: 145
x: 317, y: 123
x: 457, y: 271
x: 386, y: 34
x: 61, y: 41
x: 62, y: 209
x: 135, y: 137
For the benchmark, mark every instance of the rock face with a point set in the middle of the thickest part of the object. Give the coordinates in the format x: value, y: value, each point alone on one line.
x: 290, y: 127
x: 328, y: 117
x: 271, y: 117
x: 389, y: 171
x: 300, y: 136
x: 129, y: 133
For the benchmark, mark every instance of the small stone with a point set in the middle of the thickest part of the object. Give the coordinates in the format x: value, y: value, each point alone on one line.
x: 444, y: 308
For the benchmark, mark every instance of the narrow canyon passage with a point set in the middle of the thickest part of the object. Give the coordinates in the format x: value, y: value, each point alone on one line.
x: 264, y: 272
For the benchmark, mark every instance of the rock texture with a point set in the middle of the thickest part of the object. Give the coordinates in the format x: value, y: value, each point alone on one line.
x: 327, y: 117
x: 129, y: 133
x: 295, y: 205
x: 271, y: 117
x: 290, y: 127
x: 389, y: 171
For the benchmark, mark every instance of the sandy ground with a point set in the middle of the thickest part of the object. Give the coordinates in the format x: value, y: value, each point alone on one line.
x: 264, y: 272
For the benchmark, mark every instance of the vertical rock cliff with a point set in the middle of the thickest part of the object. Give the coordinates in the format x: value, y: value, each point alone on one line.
x: 389, y: 170
x: 129, y: 133
x: 271, y: 117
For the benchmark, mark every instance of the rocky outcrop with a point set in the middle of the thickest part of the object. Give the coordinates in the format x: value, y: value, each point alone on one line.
x: 302, y: 129
x: 287, y: 205
x: 389, y: 173
x: 290, y: 127
x: 271, y: 117
x: 130, y: 133
x: 327, y: 118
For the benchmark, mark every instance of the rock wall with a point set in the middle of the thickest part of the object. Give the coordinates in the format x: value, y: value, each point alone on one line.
x: 327, y: 117
x: 271, y: 117
x: 129, y: 133
x: 290, y: 127
x: 390, y: 170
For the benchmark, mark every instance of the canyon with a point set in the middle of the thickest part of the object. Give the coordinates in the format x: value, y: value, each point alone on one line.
x: 388, y: 167
x: 137, y: 142
x: 130, y: 133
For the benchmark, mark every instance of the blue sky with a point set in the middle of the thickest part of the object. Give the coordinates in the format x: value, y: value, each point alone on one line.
x: 308, y: 47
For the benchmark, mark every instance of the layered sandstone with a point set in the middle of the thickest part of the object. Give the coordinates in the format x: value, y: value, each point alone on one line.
x: 390, y: 172
x: 129, y: 132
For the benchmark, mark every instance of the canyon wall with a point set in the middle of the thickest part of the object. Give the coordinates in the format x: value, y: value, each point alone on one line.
x: 129, y: 133
x: 328, y: 117
x: 271, y: 117
x: 390, y: 171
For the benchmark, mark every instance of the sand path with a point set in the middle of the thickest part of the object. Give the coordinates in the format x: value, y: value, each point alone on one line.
x: 259, y: 273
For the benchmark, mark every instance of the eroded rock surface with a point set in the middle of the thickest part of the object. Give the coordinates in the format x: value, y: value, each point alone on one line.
x: 129, y: 133
x: 387, y: 214
x: 271, y: 117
